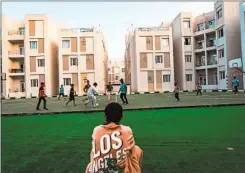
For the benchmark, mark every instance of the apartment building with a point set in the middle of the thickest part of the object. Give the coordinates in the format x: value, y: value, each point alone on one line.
x: 149, y: 63
x: 242, y: 21
x: 116, y: 71
x: 209, y: 41
x: 29, y: 55
x: 82, y: 56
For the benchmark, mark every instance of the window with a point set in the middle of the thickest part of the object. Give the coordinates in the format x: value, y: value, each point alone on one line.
x: 222, y: 75
x: 33, y: 44
x: 123, y: 69
x: 66, y: 43
x: 188, y: 77
x: 67, y: 81
x: 40, y: 62
x: 22, y: 31
x: 187, y: 24
x: 166, y: 78
x: 211, y: 24
x: 219, y: 13
x: 200, y: 27
x: 158, y: 59
x: 74, y: 62
x: 221, y: 53
x: 109, y: 69
x: 220, y: 33
x: 165, y: 41
x: 187, y: 58
x: 34, y: 82
x: 187, y: 41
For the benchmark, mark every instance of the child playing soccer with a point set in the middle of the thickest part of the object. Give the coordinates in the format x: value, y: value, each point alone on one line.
x: 92, y: 91
x: 199, y: 89
x: 113, y: 145
x: 85, y: 89
x: 176, y: 91
x: 72, y: 96
x: 61, y: 92
x: 109, y: 89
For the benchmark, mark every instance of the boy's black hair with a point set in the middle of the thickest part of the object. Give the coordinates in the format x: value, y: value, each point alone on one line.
x: 42, y: 83
x: 95, y: 84
x: 113, y: 112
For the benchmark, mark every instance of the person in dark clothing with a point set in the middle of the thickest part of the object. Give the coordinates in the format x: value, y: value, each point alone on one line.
x: 199, y: 89
x: 176, y: 91
x: 42, y: 96
x: 72, y: 96
x: 123, y: 92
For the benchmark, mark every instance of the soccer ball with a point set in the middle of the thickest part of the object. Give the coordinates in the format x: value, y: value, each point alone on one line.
x: 96, y: 105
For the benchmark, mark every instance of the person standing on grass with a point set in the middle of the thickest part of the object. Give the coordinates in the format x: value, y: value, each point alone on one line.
x: 113, y: 145
x: 199, y: 89
x: 176, y: 91
x: 72, y: 96
x: 92, y: 91
x: 62, y: 91
x: 109, y: 89
x: 123, y: 92
x: 85, y: 89
x: 235, y: 84
x: 42, y: 96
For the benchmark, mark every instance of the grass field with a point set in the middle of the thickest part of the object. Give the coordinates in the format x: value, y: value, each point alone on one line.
x: 187, y: 140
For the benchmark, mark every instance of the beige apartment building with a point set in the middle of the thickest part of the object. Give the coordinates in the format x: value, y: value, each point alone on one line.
x: 204, y: 44
x: 82, y: 56
x: 29, y: 56
x: 149, y: 65
x: 116, y: 71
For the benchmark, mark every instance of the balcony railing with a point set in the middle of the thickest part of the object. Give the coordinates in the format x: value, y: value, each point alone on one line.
x: 199, y: 46
x: 211, y: 43
x: 78, y: 30
x: 17, y: 90
x: 148, y: 29
x: 16, y: 70
x: 200, y: 64
x: 16, y: 32
x: 16, y: 52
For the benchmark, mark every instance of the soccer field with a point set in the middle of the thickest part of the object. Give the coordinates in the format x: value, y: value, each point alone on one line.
x: 190, y: 140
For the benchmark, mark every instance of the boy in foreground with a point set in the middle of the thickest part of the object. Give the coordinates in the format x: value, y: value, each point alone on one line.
x: 113, y: 145
x: 72, y: 96
x: 42, y: 96
x: 176, y: 91
x: 91, y: 92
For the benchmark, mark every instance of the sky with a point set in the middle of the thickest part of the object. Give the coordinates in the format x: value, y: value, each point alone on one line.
x: 113, y: 18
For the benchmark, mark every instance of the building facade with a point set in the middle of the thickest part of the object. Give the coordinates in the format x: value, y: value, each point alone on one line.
x: 29, y: 55
x: 209, y: 41
x: 149, y: 63
x: 116, y: 71
x: 242, y: 21
x: 82, y: 56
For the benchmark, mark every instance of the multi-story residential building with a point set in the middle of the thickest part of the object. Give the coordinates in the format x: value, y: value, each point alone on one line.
x: 242, y: 21
x: 209, y: 41
x: 82, y: 57
x: 29, y: 56
x: 116, y: 71
x: 149, y: 59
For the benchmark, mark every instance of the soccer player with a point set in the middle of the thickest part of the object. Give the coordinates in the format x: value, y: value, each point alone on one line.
x: 199, y: 89
x: 235, y: 84
x: 72, y: 96
x: 123, y: 92
x: 62, y: 91
x: 176, y: 91
x: 42, y: 96
x: 92, y: 91
x: 109, y: 89
x: 113, y: 145
x: 85, y: 89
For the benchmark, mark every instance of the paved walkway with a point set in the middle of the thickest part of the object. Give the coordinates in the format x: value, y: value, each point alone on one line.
x: 138, y: 101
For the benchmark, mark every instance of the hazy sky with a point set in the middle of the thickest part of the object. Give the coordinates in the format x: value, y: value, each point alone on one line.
x: 114, y: 18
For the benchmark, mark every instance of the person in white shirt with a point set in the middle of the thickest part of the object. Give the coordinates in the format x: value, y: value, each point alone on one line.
x: 91, y: 92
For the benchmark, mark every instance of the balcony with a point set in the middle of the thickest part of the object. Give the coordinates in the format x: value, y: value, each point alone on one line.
x: 211, y: 44
x: 78, y: 30
x: 200, y: 62
x: 16, y: 35
x: 200, y: 46
x: 16, y: 72
x: 19, y: 53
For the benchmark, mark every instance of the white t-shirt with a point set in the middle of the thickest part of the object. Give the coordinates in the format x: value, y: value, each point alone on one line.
x: 92, y: 91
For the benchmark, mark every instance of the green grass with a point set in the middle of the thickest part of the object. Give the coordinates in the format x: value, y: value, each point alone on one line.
x: 174, y: 141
